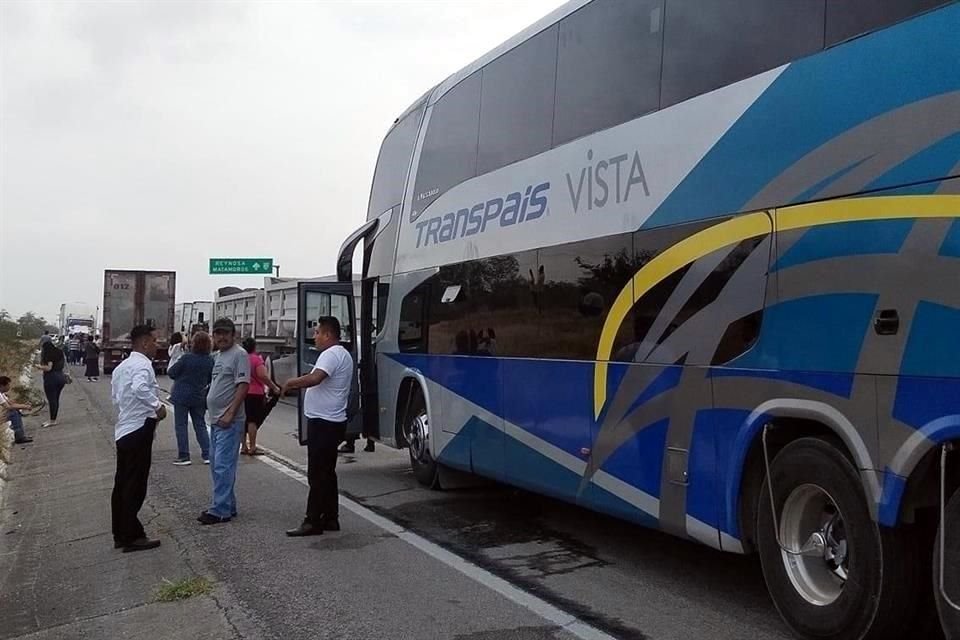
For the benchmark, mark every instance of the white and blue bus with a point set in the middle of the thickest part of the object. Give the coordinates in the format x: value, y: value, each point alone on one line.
x: 696, y: 264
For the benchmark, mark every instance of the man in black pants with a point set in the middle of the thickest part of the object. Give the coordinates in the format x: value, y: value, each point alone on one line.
x: 325, y: 408
x: 136, y: 396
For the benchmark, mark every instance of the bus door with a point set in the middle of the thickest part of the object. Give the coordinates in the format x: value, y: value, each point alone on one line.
x: 316, y: 299
x: 373, y: 306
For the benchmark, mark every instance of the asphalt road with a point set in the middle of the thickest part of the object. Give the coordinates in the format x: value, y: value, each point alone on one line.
x: 364, y: 582
x: 616, y: 578
x: 483, y: 563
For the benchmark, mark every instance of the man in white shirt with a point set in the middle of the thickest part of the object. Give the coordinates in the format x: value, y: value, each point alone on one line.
x: 136, y: 397
x: 325, y: 408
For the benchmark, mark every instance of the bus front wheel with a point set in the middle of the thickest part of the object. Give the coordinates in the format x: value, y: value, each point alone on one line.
x: 416, y: 430
x: 949, y: 615
x: 831, y: 571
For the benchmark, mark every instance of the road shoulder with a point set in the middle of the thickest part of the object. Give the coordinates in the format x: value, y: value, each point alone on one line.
x: 60, y: 575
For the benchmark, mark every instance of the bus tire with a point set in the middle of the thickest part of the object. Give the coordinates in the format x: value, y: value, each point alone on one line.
x: 949, y: 617
x: 416, y: 431
x: 818, y: 491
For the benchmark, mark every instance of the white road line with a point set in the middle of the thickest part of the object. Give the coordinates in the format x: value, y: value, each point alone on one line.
x: 542, y: 608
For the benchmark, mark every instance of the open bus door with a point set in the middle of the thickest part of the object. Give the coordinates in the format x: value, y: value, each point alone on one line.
x: 373, y: 307
x: 316, y: 299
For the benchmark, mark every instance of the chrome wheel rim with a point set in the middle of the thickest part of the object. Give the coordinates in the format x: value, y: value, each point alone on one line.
x: 418, y: 435
x: 816, y: 551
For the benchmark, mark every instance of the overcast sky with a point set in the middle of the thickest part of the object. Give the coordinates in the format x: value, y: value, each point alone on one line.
x: 158, y: 134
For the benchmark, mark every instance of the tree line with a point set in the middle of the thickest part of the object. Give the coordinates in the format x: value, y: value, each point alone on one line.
x: 27, y: 326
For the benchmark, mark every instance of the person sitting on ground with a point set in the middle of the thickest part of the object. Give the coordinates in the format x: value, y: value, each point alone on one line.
x: 191, y: 375
x: 256, y: 400
x: 10, y: 410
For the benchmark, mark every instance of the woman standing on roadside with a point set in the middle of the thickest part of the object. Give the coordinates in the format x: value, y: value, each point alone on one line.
x: 51, y: 363
x: 191, y: 375
x: 91, y: 356
x: 178, y: 347
x: 256, y: 401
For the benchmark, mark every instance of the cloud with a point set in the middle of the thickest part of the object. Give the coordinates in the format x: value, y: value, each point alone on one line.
x: 159, y: 134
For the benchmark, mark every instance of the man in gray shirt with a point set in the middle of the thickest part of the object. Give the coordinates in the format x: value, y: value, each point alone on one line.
x: 228, y: 389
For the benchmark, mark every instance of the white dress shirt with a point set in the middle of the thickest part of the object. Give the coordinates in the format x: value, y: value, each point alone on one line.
x: 135, y: 393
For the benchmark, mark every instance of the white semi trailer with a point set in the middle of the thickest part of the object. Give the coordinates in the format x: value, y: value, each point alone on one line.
x: 193, y: 316
x: 77, y: 317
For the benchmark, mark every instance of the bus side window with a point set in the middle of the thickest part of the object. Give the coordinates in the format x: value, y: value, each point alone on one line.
x: 383, y: 292
x: 516, y: 104
x: 600, y: 45
x: 708, y: 45
x: 495, y: 310
x: 581, y: 280
x: 695, y: 301
x: 413, y: 334
x: 854, y: 17
x: 449, y: 154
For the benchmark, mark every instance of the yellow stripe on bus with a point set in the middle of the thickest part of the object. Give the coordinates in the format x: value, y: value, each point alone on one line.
x: 746, y: 226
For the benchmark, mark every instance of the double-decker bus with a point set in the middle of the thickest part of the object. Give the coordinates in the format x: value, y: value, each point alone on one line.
x: 695, y: 264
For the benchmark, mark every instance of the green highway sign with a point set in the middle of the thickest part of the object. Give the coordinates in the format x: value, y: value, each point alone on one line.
x: 251, y: 266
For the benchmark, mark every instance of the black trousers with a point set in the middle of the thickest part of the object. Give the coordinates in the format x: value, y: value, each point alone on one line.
x: 130, y: 482
x: 53, y: 383
x: 323, y: 438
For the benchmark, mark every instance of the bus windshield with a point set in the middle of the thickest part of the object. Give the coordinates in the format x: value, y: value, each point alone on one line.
x: 393, y: 162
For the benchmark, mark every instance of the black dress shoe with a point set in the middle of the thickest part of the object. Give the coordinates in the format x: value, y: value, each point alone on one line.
x: 141, y: 544
x: 208, y: 518
x: 23, y: 440
x: 330, y: 525
x: 347, y: 447
x: 370, y: 448
x: 305, y: 529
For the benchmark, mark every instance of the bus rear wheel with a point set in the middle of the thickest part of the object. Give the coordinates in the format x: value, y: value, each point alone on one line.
x: 830, y: 570
x: 949, y: 616
x: 416, y: 431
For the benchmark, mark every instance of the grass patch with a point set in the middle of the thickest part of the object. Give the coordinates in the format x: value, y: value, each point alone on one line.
x: 15, y: 355
x: 183, y: 589
x: 28, y: 395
